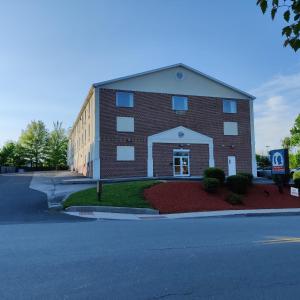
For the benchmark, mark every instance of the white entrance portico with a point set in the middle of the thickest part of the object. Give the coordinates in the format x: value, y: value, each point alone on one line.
x: 178, y: 135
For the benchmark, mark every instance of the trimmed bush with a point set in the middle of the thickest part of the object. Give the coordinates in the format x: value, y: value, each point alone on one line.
x: 249, y: 177
x: 215, y: 173
x: 297, y: 183
x: 296, y: 178
x: 211, y: 185
x: 281, y: 179
x: 296, y: 175
x: 237, y: 184
x: 234, y: 199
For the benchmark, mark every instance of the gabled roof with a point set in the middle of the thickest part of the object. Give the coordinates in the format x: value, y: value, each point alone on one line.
x: 99, y: 84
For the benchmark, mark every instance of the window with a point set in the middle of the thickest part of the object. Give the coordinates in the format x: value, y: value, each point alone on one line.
x: 124, y: 99
x: 230, y: 128
x: 125, y: 124
x: 229, y: 106
x: 125, y: 153
x: 179, y: 103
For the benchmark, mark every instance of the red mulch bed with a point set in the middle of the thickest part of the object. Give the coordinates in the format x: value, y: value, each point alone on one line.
x: 172, y: 197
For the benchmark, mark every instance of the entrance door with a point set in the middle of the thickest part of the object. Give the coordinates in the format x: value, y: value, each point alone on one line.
x: 181, y: 163
x: 231, y: 165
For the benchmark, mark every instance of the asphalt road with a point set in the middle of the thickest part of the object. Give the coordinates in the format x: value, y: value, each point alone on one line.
x: 213, y: 258
x: 20, y: 204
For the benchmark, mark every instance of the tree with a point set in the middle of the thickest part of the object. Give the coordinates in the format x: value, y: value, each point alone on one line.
x: 57, y: 147
x: 286, y: 142
x: 295, y: 133
x: 291, y: 15
x: 34, y: 141
x: 262, y: 161
x: 12, y: 154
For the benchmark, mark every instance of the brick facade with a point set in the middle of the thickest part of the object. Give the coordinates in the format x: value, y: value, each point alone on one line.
x: 153, y: 113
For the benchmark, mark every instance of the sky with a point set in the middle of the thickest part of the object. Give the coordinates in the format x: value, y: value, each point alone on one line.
x: 52, y: 51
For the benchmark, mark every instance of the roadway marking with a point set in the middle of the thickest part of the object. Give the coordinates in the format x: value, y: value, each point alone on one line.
x: 281, y: 240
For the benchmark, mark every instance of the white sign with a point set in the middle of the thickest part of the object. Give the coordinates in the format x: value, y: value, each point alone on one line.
x: 294, y: 192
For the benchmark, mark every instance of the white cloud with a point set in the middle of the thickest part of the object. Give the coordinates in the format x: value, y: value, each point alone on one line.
x: 275, y: 109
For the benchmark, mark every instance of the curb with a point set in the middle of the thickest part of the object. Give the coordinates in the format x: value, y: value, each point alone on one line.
x: 193, y: 215
x: 112, y: 209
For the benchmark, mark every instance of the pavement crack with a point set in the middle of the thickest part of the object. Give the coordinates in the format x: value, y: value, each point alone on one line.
x: 171, y: 295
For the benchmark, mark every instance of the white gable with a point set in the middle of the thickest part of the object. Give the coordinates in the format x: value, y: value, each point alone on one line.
x: 180, y: 135
x: 165, y: 80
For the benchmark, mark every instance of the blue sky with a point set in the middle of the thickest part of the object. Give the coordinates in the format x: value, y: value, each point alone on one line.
x: 52, y: 51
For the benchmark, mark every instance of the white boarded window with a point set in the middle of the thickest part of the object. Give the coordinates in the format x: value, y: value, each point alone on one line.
x: 125, y: 153
x: 124, y: 99
x: 229, y: 106
x: 230, y: 128
x: 125, y: 124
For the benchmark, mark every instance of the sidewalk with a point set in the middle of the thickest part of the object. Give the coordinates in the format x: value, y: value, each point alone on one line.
x: 208, y: 214
x: 52, y: 184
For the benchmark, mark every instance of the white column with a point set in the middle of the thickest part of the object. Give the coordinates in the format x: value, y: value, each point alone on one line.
x: 253, y: 156
x: 150, y: 159
x: 96, y: 152
x: 211, y: 160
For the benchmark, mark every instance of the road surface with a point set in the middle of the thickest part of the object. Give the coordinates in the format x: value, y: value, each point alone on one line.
x: 43, y: 256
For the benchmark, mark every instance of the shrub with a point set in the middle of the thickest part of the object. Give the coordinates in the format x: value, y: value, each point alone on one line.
x: 211, y: 185
x: 296, y: 175
x: 215, y: 173
x: 234, y: 199
x: 249, y: 177
x: 296, y: 178
x: 278, y: 178
x: 297, y: 183
x: 237, y: 184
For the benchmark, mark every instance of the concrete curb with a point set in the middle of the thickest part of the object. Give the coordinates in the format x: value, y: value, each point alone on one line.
x: 210, y: 214
x: 113, y: 209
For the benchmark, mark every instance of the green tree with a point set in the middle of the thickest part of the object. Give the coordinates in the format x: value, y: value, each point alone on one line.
x: 294, y: 160
x: 262, y: 160
x: 34, y: 141
x: 57, y: 146
x: 291, y: 15
x: 295, y: 133
x: 12, y: 154
x: 286, y: 142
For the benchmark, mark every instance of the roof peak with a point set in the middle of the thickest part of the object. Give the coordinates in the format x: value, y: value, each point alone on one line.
x: 170, y: 67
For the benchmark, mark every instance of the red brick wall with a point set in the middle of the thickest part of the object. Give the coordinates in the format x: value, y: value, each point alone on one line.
x: 153, y: 113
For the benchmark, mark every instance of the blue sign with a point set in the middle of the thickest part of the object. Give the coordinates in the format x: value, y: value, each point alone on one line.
x: 280, y: 161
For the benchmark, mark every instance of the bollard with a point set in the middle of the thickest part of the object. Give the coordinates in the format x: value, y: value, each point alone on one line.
x: 99, y: 190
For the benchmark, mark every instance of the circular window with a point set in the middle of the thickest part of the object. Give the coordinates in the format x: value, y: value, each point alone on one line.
x: 179, y: 75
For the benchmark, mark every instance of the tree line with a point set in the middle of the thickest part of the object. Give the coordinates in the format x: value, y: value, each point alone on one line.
x: 37, y: 147
x: 291, y: 142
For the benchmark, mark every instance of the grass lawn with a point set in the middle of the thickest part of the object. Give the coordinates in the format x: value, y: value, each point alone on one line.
x: 125, y: 194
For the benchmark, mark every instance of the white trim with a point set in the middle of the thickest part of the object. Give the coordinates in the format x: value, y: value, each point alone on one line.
x: 181, y: 150
x: 174, y: 66
x: 254, y: 165
x: 178, y: 135
x: 96, y: 152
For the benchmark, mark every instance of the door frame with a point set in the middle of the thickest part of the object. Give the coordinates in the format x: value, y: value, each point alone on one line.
x: 180, y: 157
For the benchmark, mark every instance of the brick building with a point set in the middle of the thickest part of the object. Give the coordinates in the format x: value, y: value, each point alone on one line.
x: 172, y: 121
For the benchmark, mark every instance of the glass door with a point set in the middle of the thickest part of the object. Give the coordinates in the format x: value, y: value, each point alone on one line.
x: 181, y: 163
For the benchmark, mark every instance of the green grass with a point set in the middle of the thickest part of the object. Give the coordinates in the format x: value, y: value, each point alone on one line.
x: 125, y: 194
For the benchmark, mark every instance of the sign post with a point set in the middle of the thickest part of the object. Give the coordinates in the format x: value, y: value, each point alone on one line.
x: 280, y: 166
x: 99, y: 190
